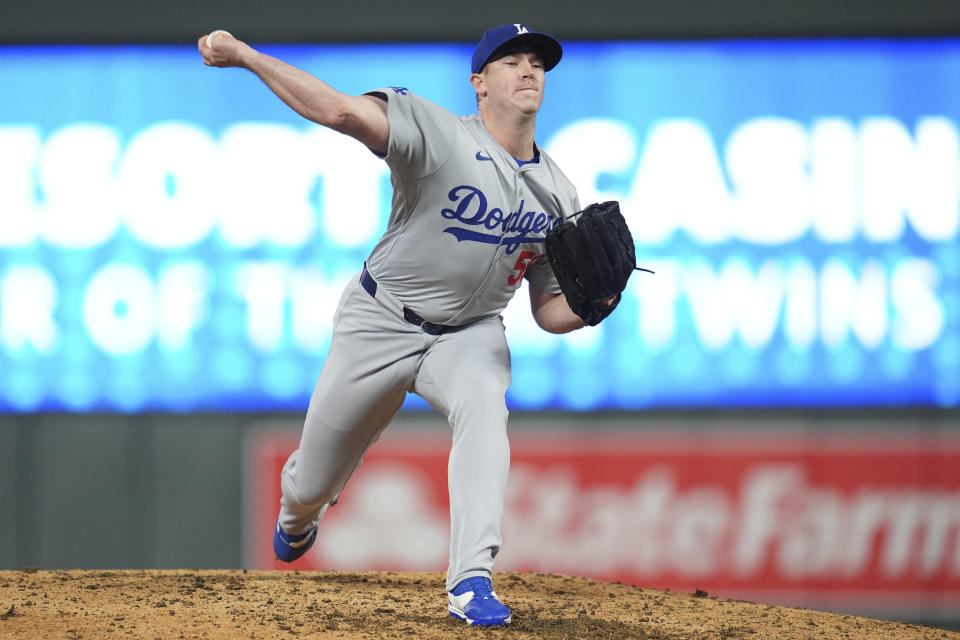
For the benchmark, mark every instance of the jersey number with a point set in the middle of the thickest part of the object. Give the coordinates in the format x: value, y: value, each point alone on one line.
x: 526, y: 259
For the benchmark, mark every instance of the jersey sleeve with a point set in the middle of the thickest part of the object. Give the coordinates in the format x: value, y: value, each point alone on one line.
x: 423, y: 135
x: 540, y: 275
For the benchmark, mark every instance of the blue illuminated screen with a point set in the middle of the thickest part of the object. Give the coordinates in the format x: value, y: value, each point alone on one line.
x: 173, y: 237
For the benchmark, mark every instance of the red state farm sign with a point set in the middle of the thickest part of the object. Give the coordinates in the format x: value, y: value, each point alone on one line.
x: 863, y: 521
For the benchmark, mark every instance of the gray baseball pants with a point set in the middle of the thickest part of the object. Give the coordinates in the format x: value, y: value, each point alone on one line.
x: 375, y: 358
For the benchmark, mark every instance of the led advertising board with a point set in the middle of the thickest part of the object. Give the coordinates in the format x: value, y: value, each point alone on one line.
x: 173, y: 237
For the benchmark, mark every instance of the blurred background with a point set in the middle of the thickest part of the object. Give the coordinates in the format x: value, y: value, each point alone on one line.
x: 774, y: 415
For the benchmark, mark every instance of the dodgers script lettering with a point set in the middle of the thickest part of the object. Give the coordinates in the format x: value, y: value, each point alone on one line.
x: 471, y: 209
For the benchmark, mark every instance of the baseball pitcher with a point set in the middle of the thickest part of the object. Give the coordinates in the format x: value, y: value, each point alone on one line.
x: 474, y: 201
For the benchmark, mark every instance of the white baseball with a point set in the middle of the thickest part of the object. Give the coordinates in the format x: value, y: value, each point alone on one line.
x: 213, y: 33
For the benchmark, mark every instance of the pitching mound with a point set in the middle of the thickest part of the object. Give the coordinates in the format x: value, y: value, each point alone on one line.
x: 273, y: 604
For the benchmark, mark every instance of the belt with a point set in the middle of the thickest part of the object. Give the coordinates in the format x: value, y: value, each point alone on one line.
x: 370, y: 286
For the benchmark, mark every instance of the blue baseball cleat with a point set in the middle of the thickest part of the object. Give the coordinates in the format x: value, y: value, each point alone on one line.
x: 289, y: 547
x: 475, y: 602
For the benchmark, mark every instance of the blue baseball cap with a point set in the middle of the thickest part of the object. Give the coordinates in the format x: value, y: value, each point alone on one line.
x: 499, y: 38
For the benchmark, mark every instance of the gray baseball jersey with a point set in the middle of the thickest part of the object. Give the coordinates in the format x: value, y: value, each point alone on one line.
x: 467, y: 224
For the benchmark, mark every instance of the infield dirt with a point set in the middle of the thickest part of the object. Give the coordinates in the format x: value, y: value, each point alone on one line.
x: 285, y: 604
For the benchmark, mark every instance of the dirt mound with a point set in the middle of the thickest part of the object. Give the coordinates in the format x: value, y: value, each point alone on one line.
x: 275, y: 604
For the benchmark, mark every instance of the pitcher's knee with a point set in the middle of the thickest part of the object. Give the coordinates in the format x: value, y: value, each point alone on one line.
x: 295, y: 495
x: 316, y: 498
